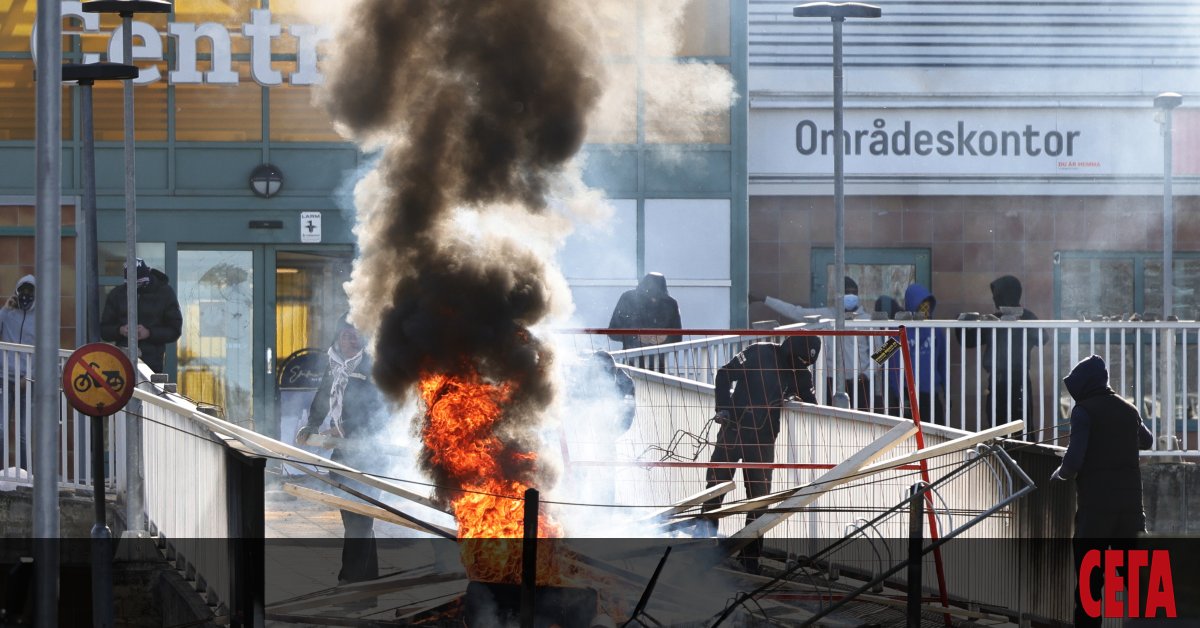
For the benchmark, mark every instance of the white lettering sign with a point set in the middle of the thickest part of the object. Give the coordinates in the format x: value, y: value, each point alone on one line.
x: 949, y: 142
x: 148, y: 47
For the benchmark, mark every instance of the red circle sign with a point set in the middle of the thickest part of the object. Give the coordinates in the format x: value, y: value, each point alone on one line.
x: 98, y: 379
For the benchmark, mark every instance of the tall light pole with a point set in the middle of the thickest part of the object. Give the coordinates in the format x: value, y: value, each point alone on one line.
x: 135, y: 518
x: 48, y: 254
x: 1168, y: 101
x: 837, y: 12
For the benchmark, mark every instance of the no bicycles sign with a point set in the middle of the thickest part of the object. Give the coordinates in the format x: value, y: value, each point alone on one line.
x: 98, y: 379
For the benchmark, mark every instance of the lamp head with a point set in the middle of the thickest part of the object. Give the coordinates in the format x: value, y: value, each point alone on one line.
x: 1168, y: 100
x: 836, y: 10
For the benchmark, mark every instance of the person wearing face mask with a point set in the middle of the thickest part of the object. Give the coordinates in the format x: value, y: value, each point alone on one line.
x: 855, y: 353
x: 928, y: 348
x: 17, y: 326
x: 159, y: 321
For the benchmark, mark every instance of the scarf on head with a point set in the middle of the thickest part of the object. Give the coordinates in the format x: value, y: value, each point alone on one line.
x: 340, y: 368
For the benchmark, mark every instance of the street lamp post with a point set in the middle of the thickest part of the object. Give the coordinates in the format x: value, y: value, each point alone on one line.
x: 1167, y: 102
x: 837, y: 12
x: 135, y: 519
x: 88, y: 330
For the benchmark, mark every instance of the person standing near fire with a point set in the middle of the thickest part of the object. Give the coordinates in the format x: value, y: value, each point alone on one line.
x: 649, y: 306
x: 347, y: 396
x: 750, y: 391
x: 1106, y: 434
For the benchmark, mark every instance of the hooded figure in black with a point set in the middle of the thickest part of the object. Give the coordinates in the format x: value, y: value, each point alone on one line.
x: 646, y: 307
x: 750, y: 391
x: 348, y: 397
x: 1012, y: 381
x: 1106, y: 434
x: 159, y: 321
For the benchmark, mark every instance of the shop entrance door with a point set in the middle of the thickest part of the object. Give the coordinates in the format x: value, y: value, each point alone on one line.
x: 246, y: 310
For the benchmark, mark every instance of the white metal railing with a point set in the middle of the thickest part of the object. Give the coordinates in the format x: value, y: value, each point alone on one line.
x: 187, y: 488
x: 75, y: 437
x: 1155, y: 365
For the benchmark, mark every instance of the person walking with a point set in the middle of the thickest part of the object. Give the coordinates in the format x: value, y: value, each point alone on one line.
x: 649, y: 306
x: 929, y: 350
x: 159, y: 321
x: 1012, y: 391
x: 347, y: 396
x: 750, y: 391
x: 1106, y: 434
x: 854, y: 354
x: 17, y: 327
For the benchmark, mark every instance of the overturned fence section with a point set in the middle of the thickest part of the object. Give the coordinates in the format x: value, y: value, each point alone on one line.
x: 665, y: 455
x: 984, y: 373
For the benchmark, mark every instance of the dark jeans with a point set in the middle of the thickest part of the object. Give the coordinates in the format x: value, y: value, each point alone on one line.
x: 747, y: 445
x: 1100, y: 531
x: 360, y: 556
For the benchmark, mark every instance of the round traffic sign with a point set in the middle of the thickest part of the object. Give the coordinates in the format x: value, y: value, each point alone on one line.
x: 98, y: 379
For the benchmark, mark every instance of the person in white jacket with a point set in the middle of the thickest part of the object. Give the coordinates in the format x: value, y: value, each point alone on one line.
x: 17, y: 327
x: 858, y: 369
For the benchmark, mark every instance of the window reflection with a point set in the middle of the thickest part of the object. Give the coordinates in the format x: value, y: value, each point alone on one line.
x: 216, y: 296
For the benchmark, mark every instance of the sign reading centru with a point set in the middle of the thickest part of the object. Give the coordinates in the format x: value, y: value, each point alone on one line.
x: 98, y: 379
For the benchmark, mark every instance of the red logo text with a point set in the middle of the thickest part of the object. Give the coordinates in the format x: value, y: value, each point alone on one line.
x: 1154, y: 565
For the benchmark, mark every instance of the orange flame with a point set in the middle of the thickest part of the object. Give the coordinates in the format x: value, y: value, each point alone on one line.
x: 459, y: 434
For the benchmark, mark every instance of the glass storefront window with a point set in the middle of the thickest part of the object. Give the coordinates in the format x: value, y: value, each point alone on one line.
x: 216, y: 296
x: 1096, y: 286
x: 671, y: 119
x: 149, y: 110
x: 220, y: 113
x: 614, y: 120
x: 294, y: 115
x: 705, y: 31
x: 111, y: 257
x: 17, y: 115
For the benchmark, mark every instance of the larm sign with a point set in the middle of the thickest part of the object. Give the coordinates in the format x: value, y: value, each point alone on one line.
x: 260, y: 30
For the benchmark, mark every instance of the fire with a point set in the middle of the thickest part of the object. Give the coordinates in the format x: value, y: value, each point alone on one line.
x: 462, y: 412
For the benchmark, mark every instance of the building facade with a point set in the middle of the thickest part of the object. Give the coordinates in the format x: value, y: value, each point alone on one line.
x: 982, y: 139
x: 224, y: 104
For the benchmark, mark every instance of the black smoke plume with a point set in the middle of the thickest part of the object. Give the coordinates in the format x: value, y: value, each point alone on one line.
x: 472, y: 105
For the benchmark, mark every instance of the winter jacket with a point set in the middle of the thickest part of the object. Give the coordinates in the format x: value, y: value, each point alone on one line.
x: 1106, y: 434
x: 751, y: 388
x: 158, y: 311
x: 927, y: 347
x: 648, y: 306
x: 1006, y: 292
x: 17, y: 326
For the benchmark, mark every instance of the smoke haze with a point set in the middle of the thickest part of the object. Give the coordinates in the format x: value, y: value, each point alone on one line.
x: 477, y: 112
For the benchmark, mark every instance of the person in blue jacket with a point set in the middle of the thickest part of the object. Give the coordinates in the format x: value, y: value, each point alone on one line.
x: 928, y: 348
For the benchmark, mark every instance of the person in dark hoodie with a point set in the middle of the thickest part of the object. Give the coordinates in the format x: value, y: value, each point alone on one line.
x: 16, y: 326
x: 1106, y: 434
x: 159, y: 321
x: 750, y: 391
x: 928, y: 349
x: 347, y: 396
x: 648, y: 306
x: 1013, y: 402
